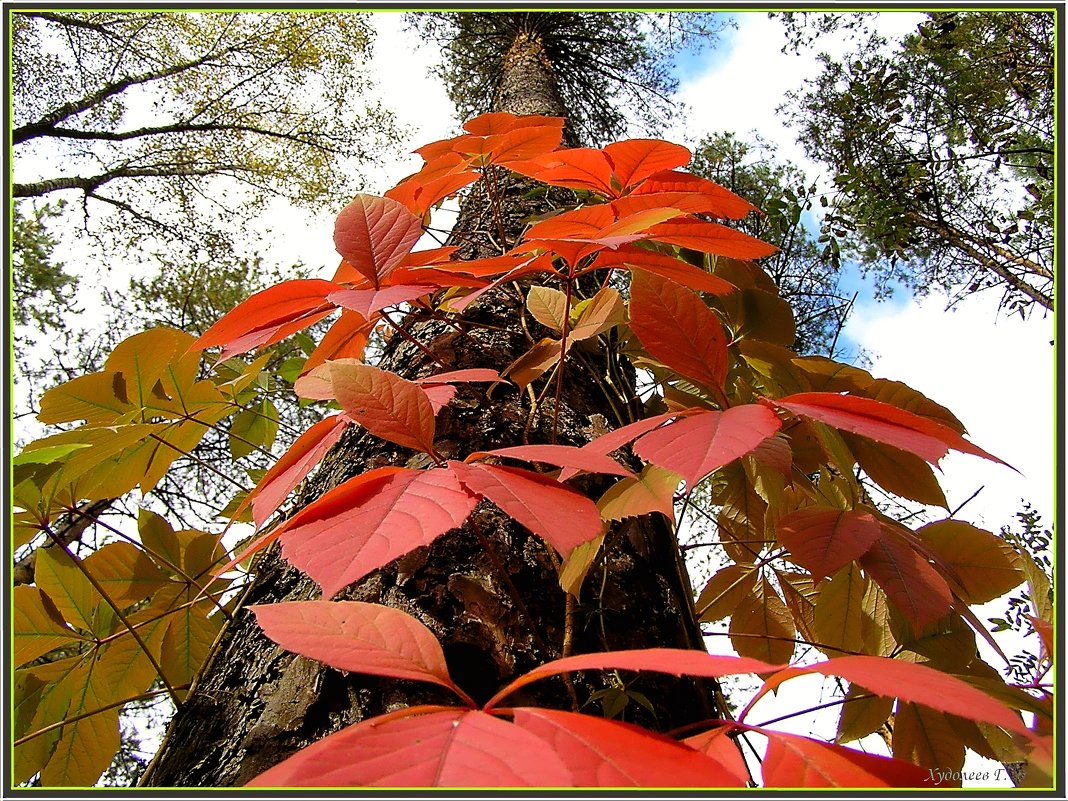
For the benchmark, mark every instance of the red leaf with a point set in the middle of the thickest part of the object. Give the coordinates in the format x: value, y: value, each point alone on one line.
x: 636, y: 258
x: 438, y: 387
x: 536, y: 264
x: 374, y: 234
x: 823, y: 540
x: 795, y: 761
x: 695, y: 446
x: 556, y: 513
x: 710, y: 237
x: 613, y: 440
x: 882, y: 422
x: 678, y: 329
x: 338, y: 498
x: 604, y: 753
x: 268, y: 310
x: 724, y: 749
x: 634, y: 160
x: 439, y: 395
x: 449, y: 748
x: 675, y: 661
x: 385, y: 404
x: 561, y: 456
x: 720, y: 202
x: 368, y: 301
x: 908, y: 580
x: 291, y: 468
x: 356, y: 636
x: 349, y: 532
x: 912, y: 682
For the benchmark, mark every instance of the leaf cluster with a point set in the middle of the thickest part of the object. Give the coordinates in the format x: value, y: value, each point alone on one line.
x: 781, y: 440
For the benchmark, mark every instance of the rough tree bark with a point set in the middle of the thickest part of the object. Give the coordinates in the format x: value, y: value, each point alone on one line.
x: 490, y: 590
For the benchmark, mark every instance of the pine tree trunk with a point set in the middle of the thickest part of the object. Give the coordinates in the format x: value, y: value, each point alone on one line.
x: 490, y: 590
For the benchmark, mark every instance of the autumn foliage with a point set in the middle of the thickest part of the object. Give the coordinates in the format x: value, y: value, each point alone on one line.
x: 780, y: 440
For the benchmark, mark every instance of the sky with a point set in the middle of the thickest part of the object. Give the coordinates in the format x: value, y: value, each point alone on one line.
x: 995, y: 373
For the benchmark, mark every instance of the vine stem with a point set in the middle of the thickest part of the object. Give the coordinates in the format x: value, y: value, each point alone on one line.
x: 404, y: 333
x: 563, y: 354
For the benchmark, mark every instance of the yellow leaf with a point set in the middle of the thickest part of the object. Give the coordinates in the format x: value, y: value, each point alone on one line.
x: 37, y: 624
x: 96, y: 398
x: 110, y: 673
x: 143, y: 359
x: 927, y: 738
x: 547, y: 306
x: 984, y: 566
x: 532, y: 364
x: 800, y: 595
x: 839, y: 616
x: 59, y: 577
x: 761, y: 627
x: 600, y: 313
x: 897, y: 471
x: 578, y: 563
x: 651, y: 491
x: 758, y: 314
x: 861, y: 716
x: 187, y: 641
x: 126, y: 572
x: 725, y: 591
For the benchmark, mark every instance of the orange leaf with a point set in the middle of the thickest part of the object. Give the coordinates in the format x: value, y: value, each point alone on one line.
x: 632, y: 257
x: 346, y: 339
x: 575, y: 168
x: 719, y: 202
x: 257, y: 320
x: 710, y: 237
x: 634, y: 160
x: 374, y: 234
x: 384, y: 403
x: 500, y: 122
x: 678, y: 329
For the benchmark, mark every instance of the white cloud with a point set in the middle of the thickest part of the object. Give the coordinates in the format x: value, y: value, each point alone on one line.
x: 995, y: 373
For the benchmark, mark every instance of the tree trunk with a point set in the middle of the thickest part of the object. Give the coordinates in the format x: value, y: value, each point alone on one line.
x: 490, y: 590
